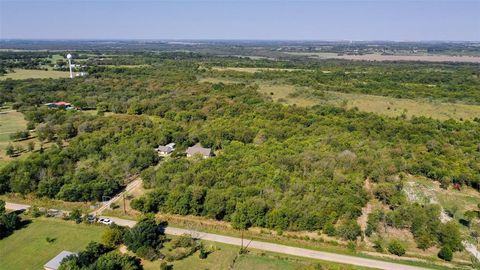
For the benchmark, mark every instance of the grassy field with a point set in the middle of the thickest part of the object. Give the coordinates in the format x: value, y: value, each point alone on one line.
x: 22, y: 74
x: 227, y: 257
x: 320, y: 55
x: 28, y: 249
x: 10, y: 122
x: 388, y: 106
x: 380, y: 57
x: 45, y: 202
x: 253, y: 70
x: 57, y: 57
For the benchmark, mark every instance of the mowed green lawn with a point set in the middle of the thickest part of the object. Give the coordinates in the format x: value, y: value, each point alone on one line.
x: 28, y: 249
x: 23, y: 74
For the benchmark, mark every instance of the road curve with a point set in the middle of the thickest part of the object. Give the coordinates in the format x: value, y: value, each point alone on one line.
x: 301, y: 252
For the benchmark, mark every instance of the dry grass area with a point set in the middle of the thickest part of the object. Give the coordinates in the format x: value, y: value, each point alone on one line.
x: 282, y: 93
x: 23, y: 74
x: 456, y: 201
x: 320, y: 55
x: 48, y: 203
x: 388, y: 106
x: 393, y: 107
x: 253, y: 70
x: 219, y: 80
x: 380, y: 57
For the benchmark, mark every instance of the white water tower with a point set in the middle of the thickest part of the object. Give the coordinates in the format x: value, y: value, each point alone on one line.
x: 69, y: 57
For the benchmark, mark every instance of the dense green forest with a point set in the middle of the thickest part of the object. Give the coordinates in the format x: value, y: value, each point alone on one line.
x: 275, y: 166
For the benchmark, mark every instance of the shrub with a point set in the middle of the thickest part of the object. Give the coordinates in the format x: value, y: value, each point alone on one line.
x: 165, y: 266
x: 445, y: 253
x: 396, y: 248
x: 349, y: 231
x: 378, y: 246
x: 351, y: 246
x: 147, y: 253
x: 203, y: 253
x: 185, y: 240
x: 50, y: 239
x: 179, y: 253
x: 330, y: 229
x: 113, y: 236
x: 75, y: 215
x: 35, y: 212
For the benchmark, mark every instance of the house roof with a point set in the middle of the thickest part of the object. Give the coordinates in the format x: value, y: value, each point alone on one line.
x: 166, y: 149
x: 55, y: 262
x: 62, y: 103
x: 198, y: 149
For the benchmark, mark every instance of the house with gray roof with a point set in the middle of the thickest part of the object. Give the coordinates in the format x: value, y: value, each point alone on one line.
x: 165, y: 150
x: 197, y: 149
x: 54, y: 263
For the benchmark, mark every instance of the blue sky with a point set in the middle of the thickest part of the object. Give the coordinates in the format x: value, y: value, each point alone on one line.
x: 241, y: 19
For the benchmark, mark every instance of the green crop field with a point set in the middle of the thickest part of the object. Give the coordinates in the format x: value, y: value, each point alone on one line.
x: 28, y: 249
x: 23, y: 74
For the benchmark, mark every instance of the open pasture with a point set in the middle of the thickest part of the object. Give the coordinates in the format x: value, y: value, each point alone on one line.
x: 253, y: 70
x: 388, y: 106
x: 23, y: 74
x: 28, y: 248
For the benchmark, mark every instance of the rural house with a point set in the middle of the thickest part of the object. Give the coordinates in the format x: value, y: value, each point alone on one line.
x: 197, y: 149
x: 54, y: 263
x: 165, y: 150
x: 60, y: 105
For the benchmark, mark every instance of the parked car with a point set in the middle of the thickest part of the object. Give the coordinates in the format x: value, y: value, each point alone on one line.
x: 105, y: 221
x: 91, y: 218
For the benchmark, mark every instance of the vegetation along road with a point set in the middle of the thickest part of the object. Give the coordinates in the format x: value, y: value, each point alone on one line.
x: 301, y: 252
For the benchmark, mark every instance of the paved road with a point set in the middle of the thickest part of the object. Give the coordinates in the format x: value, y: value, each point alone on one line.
x: 16, y: 206
x: 301, y: 252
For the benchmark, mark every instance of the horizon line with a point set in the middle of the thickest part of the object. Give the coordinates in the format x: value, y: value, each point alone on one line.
x: 237, y: 39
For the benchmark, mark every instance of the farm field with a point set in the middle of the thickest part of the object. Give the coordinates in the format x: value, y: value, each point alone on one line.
x: 388, y: 106
x: 23, y: 74
x: 380, y: 57
x: 27, y: 248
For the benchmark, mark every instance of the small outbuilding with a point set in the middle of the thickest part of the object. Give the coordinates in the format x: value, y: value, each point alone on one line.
x: 54, y: 263
x: 165, y: 150
x: 197, y: 149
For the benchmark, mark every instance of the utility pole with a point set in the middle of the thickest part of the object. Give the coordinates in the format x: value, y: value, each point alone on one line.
x: 241, y: 246
x: 124, y: 205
